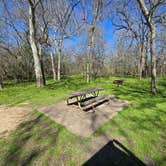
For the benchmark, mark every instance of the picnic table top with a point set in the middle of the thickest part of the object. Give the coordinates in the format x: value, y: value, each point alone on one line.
x: 85, y: 91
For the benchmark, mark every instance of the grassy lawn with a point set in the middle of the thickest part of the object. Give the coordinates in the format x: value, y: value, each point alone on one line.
x: 141, y: 127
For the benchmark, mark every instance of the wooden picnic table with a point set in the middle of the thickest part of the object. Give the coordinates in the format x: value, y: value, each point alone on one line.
x: 82, y: 95
x: 93, y: 91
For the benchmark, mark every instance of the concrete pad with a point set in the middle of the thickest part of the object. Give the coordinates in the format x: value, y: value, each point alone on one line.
x: 80, y: 122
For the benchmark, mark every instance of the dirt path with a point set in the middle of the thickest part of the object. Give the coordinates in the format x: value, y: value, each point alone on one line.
x: 11, y: 117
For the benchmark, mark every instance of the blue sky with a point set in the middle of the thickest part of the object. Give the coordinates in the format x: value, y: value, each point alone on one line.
x: 109, y: 37
x: 108, y: 29
x: 109, y: 33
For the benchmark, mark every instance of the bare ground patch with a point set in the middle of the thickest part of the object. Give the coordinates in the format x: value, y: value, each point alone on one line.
x: 11, y: 117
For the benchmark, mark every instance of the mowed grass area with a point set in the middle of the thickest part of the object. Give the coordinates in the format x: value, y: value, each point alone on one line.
x: 141, y: 127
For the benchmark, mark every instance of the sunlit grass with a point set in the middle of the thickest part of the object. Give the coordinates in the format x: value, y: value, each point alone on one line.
x: 141, y: 126
x: 40, y: 141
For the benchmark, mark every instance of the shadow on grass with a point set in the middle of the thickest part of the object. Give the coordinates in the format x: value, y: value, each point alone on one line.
x: 15, y: 83
x: 25, y: 143
x: 162, y: 83
x: 136, y: 92
x: 142, y: 119
x: 114, y: 154
x: 69, y: 83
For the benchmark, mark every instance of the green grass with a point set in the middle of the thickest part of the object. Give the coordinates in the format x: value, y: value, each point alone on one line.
x: 141, y: 127
x: 15, y: 94
x: 40, y: 141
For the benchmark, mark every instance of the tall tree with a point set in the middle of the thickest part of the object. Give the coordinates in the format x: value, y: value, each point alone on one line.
x: 33, y: 42
x: 53, y: 66
x: 65, y: 25
x: 129, y: 19
x: 149, y: 17
x: 96, y: 8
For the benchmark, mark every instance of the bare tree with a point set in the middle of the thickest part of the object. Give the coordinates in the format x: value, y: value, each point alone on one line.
x: 149, y: 17
x: 97, y: 8
x: 126, y: 20
x: 65, y: 25
x: 33, y: 42
x: 53, y: 66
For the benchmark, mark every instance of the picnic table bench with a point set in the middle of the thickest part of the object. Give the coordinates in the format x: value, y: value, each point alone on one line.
x: 88, y: 98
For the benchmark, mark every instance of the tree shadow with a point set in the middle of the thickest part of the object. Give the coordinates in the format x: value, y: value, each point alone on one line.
x: 24, y: 145
x: 162, y: 83
x: 12, y: 83
x: 114, y: 154
x: 68, y: 83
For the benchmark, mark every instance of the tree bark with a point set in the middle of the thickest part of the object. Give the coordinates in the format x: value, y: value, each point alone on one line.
x: 143, y: 63
x: 92, y: 44
x: 41, y: 62
x: 53, y: 66
x: 59, y: 52
x: 88, y: 71
x: 34, y: 47
x: 151, y: 26
x: 90, y: 54
x: 153, y: 59
x: 1, y: 83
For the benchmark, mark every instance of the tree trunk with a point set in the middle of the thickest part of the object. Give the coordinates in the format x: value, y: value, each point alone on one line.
x: 88, y: 71
x: 90, y: 54
x: 153, y: 59
x: 151, y: 26
x: 143, y: 63
x: 34, y: 47
x: 145, y: 74
x: 1, y: 83
x: 41, y: 62
x: 92, y: 64
x: 53, y: 66
x: 59, y: 52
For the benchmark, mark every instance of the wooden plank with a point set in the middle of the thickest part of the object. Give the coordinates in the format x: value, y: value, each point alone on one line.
x: 93, y: 104
x: 85, y: 107
x: 85, y: 91
x: 96, y: 99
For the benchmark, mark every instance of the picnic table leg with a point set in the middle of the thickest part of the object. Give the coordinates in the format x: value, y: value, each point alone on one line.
x: 82, y: 97
x: 79, y: 102
x: 95, y: 94
x: 67, y: 101
x: 93, y: 108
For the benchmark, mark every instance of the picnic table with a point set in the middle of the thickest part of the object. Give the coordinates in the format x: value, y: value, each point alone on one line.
x: 87, y: 98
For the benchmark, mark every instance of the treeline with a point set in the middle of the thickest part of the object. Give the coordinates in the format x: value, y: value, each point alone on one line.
x: 121, y: 62
x: 34, y: 36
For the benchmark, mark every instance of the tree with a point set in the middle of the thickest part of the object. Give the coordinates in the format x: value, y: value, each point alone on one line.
x: 33, y: 42
x: 97, y: 7
x: 149, y: 17
x: 53, y: 66
x: 65, y: 25
x: 129, y: 20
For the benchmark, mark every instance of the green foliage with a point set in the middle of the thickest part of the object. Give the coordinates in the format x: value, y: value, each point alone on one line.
x: 140, y: 126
